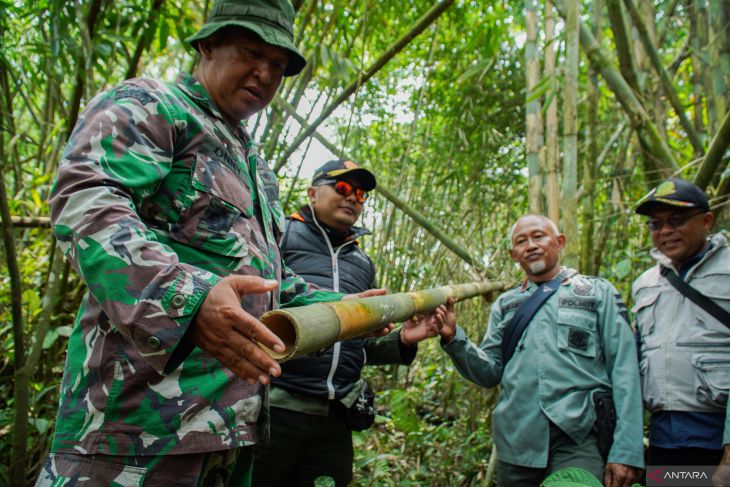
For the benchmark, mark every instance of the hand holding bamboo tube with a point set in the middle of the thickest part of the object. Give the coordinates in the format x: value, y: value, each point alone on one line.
x: 307, y: 329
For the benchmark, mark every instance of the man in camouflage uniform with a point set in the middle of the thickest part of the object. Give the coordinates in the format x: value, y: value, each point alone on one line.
x: 577, y: 343
x: 171, y: 218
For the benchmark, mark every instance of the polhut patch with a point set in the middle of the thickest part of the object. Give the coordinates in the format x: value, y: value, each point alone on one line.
x: 581, y: 288
x: 578, y: 339
x: 581, y: 303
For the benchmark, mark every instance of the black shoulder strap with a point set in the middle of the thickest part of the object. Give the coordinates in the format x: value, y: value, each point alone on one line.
x: 696, y: 297
x: 522, y: 317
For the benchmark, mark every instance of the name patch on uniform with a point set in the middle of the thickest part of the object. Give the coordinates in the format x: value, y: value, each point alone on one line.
x: 571, y: 302
x: 133, y: 92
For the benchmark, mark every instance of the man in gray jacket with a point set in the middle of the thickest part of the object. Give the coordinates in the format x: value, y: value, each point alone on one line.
x: 684, y: 350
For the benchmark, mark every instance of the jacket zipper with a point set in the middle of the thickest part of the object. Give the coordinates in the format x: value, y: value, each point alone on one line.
x: 336, y: 288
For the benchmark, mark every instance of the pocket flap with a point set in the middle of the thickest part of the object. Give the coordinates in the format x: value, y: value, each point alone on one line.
x: 219, y: 179
x: 644, y: 299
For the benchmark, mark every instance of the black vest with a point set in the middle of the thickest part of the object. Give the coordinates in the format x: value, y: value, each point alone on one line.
x: 305, y: 252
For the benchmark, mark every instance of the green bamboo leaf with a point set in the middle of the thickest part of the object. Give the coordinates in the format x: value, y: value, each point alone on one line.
x: 623, y: 268
x: 50, y: 338
x: 571, y: 477
x: 403, y: 412
x: 32, y: 301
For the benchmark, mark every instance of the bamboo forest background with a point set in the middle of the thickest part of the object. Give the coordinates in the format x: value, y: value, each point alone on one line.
x: 471, y: 113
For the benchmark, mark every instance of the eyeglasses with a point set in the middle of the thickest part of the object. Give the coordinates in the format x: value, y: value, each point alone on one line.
x: 674, y: 221
x: 346, y: 189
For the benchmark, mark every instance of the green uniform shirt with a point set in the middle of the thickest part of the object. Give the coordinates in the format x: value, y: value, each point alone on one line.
x: 157, y: 199
x: 578, y: 342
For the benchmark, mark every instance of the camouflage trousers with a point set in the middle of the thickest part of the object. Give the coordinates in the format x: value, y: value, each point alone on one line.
x: 227, y: 468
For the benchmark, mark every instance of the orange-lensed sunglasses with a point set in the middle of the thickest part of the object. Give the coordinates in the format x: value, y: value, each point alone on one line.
x: 345, y: 189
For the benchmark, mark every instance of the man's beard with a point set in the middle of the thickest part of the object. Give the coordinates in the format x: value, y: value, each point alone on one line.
x: 537, y: 267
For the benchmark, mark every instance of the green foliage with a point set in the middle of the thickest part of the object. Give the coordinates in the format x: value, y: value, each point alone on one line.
x: 442, y: 125
x: 571, y: 477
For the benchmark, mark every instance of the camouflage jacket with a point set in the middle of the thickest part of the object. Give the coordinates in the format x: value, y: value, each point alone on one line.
x: 157, y: 198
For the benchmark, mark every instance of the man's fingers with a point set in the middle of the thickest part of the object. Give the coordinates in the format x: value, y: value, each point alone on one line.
x: 243, y: 363
x: 251, y: 284
x: 253, y: 329
x: 372, y: 292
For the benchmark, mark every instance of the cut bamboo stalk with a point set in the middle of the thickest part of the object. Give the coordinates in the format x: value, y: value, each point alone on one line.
x: 310, y: 328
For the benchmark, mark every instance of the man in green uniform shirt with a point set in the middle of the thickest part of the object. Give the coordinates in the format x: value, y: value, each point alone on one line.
x: 577, y: 343
x: 172, y: 219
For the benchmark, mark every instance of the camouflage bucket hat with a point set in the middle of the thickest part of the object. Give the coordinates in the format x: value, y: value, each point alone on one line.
x: 272, y: 20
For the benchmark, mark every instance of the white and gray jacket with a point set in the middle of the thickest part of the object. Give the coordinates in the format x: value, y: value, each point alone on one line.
x: 685, y: 352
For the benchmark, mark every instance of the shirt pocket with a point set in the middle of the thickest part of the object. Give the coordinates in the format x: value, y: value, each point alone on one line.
x: 217, y: 218
x: 715, y: 287
x: 643, y: 310
x: 577, y: 332
x: 712, y: 378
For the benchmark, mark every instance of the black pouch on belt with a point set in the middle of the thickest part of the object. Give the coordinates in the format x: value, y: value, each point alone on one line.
x: 361, y: 414
x: 605, y: 420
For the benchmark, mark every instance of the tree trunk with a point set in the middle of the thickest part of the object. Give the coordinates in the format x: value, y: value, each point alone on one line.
x: 590, y: 166
x: 20, y: 420
x: 534, y: 141
x: 552, y: 152
x: 622, y: 40
x: 715, y: 152
x: 569, y: 220
x: 719, y: 55
x: 150, y: 26
x: 705, y: 71
x: 73, y: 113
x: 697, y: 91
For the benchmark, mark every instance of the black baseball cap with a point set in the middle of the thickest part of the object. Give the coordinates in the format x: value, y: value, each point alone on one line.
x: 338, y: 168
x: 674, y: 192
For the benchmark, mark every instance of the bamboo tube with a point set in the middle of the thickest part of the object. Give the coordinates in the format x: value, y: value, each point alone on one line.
x: 307, y: 329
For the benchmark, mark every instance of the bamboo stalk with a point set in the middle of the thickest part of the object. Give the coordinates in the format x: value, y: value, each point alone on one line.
x: 306, y: 329
x: 30, y: 221
x: 534, y: 140
x: 569, y: 183
x: 717, y: 148
x: 552, y: 152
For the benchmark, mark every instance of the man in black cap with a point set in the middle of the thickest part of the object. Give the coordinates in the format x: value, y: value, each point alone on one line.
x: 317, y: 401
x: 684, y: 341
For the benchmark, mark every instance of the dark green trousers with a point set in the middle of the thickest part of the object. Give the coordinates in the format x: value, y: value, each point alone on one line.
x: 227, y: 468
x: 304, y: 447
x: 564, y: 452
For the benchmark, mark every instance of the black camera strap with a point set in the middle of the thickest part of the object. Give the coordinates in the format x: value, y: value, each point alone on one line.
x: 696, y: 297
x: 522, y: 317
